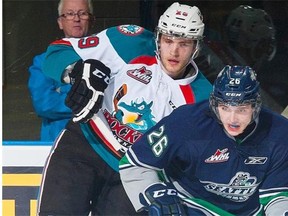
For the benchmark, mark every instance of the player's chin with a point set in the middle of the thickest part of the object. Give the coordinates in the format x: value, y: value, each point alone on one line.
x: 174, y: 71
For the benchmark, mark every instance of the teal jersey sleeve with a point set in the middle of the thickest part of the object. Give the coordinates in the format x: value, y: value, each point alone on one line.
x: 131, y: 41
x: 59, y: 55
x: 128, y: 41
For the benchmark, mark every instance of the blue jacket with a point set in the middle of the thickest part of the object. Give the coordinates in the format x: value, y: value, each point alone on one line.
x: 48, y: 98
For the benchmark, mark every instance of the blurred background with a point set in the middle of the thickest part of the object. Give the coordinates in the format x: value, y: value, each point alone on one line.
x: 30, y: 25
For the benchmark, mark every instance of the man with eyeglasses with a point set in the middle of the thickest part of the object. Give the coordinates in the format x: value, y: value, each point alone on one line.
x: 48, y: 95
x: 82, y: 15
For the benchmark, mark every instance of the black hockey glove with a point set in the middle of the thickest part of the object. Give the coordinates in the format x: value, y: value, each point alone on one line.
x: 161, y: 199
x: 89, y: 79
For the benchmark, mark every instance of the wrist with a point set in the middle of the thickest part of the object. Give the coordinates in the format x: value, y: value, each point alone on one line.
x: 65, y: 75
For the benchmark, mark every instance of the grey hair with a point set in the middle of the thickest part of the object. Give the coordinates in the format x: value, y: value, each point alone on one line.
x: 60, y: 6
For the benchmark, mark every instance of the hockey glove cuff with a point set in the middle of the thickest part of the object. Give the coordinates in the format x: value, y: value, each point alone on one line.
x: 161, y: 199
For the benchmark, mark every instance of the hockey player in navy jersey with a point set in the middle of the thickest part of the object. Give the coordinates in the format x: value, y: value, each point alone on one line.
x: 224, y: 156
x: 120, y: 89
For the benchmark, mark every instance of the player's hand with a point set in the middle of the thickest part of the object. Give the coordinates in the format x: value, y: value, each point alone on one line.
x: 89, y: 79
x: 161, y: 199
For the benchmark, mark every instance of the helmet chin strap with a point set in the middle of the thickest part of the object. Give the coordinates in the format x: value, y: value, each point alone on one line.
x: 191, y: 61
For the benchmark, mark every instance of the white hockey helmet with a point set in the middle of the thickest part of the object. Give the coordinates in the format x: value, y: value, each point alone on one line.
x: 181, y: 20
x: 247, y: 27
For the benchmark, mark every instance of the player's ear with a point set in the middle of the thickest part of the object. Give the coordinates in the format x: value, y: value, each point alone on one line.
x: 59, y: 20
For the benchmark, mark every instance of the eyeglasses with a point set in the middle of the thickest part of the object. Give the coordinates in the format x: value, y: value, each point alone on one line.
x: 81, y: 14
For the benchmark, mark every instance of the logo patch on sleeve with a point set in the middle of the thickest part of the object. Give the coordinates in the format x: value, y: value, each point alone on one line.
x: 130, y: 29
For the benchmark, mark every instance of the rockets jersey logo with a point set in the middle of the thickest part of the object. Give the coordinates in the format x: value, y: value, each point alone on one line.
x: 130, y: 29
x: 135, y: 115
x: 125, y: 135
x: 129, y: 120
x: 142, y: 74
x: 239, y: 189
x: 219, y: 156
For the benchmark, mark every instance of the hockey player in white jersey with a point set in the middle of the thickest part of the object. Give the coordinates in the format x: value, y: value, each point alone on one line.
x: 120, y: 89
x: 224, y: 156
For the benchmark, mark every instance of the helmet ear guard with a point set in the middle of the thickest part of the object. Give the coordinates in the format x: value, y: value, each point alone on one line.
x: 235, y: 86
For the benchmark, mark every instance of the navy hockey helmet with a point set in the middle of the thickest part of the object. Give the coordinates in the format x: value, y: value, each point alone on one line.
x: 234, y: 86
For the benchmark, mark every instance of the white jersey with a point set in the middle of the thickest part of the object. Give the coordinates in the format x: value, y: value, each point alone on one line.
x: 139, y: 93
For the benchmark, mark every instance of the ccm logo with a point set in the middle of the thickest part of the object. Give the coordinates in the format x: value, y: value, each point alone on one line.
x: 160, y: 193
x: 233, y: 94
x: 178, y: 26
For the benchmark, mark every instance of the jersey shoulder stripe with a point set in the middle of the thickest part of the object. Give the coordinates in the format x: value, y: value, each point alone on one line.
x: 188, y: 94
x: 61, y: 42
x: 147, y: 60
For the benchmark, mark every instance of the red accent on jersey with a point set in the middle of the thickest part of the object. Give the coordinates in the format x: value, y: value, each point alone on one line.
x: 61, y: 42
x: 88, y: 42
x: 188, y: 94
x: 104, y: 140
x: 148, y: 60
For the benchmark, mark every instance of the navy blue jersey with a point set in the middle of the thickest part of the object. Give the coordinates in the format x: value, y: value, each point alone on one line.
x: 207, y: 166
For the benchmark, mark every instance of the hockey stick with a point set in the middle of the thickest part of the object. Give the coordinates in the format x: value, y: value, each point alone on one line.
x: 102, y: 128
x: 104, y: 131
x: 122, y: 91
